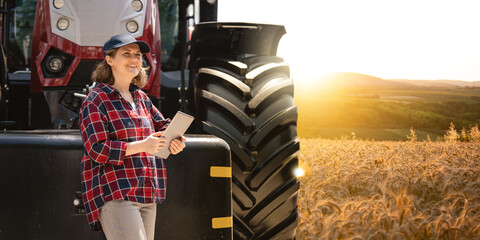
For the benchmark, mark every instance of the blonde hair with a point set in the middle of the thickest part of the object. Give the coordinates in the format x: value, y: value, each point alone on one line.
x: 103, y: 72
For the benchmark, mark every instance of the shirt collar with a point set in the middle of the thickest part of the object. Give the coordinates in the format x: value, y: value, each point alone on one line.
x: 109, y: 89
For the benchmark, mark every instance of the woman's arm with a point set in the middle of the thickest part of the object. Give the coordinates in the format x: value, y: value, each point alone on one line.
x: 152, y: 144
x: 95, y: 134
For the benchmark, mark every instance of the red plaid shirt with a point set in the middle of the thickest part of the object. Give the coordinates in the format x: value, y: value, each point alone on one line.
x: 107, y: 123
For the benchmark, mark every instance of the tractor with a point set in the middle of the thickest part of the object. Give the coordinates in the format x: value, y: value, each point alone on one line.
x: 225, y: 74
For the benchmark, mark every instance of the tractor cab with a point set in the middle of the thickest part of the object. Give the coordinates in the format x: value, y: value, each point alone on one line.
x: 66, y: 39
x: 16, y: 22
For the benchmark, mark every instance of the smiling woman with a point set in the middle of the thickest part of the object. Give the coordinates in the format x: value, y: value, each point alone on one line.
x: 121, y: 129
x: 401, y: 39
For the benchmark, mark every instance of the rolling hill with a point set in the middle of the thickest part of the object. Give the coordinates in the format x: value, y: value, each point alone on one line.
x: 382, y: 109
x: 350, y: 79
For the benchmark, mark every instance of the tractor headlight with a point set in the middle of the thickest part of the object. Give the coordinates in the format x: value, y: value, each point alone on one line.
x: 76, y: 202
x: 62, y: 24
x: 76, y: 103
x: 58, y: 3
x: 137, y: 5
x: 132, y: 26
x: 55, y: 64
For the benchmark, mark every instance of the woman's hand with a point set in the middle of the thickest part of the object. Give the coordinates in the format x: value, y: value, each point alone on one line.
x: 154, y: 143
x: 177, y: 145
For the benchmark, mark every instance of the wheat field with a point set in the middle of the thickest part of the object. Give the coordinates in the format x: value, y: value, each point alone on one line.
x: 356, y: 189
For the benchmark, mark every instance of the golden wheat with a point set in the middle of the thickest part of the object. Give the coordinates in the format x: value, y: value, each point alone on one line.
x: 389, y: 190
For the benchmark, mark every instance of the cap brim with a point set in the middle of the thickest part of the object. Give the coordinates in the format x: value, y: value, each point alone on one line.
x: 144, y: 48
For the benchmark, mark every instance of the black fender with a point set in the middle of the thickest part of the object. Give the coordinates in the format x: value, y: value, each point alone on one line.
x: 40, y: 173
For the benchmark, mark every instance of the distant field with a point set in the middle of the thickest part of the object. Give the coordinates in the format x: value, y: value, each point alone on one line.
x: 386, y: 113
x: 356, y: 189
x: 423, y: 94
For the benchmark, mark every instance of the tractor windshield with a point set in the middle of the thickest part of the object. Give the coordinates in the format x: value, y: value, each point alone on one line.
x: 17, y: 29
x: 169, y: 25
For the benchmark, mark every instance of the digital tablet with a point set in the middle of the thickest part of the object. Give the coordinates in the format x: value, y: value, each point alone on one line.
x: 177, y: 127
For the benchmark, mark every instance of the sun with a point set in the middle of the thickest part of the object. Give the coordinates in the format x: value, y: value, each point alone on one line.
x: 306, y: 69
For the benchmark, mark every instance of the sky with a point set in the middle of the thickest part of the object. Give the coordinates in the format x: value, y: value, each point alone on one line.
x: 402, y: 39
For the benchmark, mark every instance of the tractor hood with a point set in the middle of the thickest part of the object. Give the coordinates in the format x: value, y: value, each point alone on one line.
x: 233, y: 40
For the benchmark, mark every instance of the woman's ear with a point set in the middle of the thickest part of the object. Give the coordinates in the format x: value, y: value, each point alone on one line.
x: 109, y: 60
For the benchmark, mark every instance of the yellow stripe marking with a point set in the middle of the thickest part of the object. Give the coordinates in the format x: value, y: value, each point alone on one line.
x: 222, y: 222
x: 221, y: 172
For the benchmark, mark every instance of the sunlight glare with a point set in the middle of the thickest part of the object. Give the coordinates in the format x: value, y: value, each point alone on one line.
x: 305, y: 70
x: 298, y: 172
x: 407, y: 39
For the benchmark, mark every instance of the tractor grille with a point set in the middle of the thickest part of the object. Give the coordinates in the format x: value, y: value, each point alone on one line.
x: 82, y: 74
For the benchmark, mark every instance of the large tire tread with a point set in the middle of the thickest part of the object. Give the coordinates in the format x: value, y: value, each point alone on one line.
x: 249, y: 104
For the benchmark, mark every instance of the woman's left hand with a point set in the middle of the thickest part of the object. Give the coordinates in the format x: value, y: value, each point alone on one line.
x: 177, y: 145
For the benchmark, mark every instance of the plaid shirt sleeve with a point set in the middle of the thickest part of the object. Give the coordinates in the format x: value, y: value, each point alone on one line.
x: 95, y: 134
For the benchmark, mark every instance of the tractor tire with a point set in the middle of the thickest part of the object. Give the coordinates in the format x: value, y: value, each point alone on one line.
x: 249, y: 103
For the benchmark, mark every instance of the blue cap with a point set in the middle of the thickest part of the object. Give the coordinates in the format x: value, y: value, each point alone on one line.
x: 123, y: 40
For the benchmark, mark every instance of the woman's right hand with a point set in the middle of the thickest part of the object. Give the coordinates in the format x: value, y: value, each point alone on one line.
x: 154, y: 143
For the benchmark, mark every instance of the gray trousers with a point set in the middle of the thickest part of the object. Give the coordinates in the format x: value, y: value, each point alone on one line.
x: 127, y: 220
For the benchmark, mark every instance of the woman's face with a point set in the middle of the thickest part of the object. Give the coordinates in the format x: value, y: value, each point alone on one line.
x: 127, y: 61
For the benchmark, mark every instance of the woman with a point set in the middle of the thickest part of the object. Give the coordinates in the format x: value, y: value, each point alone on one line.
x: 121, y: 181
